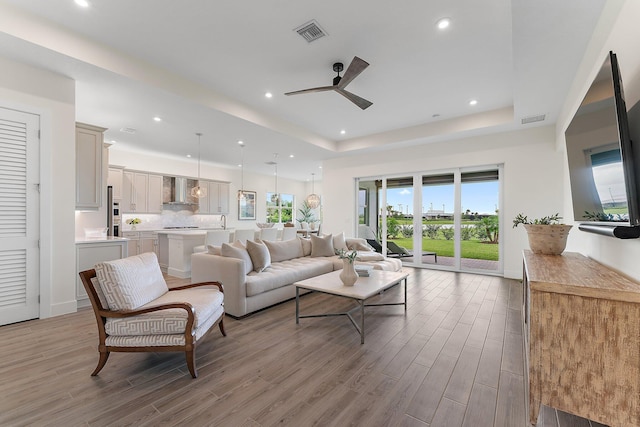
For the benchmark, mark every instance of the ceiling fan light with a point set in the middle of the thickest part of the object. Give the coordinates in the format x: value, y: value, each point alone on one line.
x: 313, y: 200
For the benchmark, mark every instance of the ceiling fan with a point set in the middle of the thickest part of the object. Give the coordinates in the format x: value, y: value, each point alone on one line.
x: 339, y: 83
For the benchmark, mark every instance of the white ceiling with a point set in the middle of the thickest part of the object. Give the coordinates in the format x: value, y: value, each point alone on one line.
x: 204, y: 66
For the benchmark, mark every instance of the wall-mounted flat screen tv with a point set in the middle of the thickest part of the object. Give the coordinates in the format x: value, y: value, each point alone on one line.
x: 603, y: 160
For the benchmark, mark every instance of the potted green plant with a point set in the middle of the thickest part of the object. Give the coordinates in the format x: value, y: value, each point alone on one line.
x: 546, y: 235
x: 306, y: 215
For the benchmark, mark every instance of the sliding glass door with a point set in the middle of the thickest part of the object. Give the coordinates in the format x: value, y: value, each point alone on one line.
x: 448, y: 220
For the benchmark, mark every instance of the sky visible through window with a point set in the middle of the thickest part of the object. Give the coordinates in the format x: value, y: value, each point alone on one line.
x: 480, y: 197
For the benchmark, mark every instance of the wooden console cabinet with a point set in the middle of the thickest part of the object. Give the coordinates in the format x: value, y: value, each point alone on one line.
x: 582, y: 339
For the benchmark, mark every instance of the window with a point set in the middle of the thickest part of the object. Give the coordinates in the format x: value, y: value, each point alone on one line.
x: 279, y: 209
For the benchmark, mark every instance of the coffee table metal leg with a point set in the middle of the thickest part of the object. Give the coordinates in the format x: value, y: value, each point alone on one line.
x: 362, y: 322
x: 405, y: 294
x: 297, y: 305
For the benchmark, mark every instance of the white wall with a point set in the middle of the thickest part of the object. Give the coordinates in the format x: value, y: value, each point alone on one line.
x: 533, y: 171
x: 52, y: 97
x: 619, y: 32
x: 261, y: 184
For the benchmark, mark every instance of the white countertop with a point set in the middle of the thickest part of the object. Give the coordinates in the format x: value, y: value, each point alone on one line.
x: 82, y: 240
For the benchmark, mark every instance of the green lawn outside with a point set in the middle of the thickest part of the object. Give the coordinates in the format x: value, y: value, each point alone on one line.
x: 472, y: 249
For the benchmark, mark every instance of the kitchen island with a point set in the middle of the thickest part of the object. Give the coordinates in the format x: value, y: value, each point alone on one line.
x: 175, y: 248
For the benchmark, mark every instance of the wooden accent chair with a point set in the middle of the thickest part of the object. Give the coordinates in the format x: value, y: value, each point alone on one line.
x: 137, y: 312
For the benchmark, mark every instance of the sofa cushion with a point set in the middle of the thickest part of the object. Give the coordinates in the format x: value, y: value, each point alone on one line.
x: 214, y: 250
x: 339, y: 242
x: 237, y: 250
x: 306, y: 246
x: 369, y: 256
x: 287, y: 272
x: 358, y: 244
x: 259, y: 254
x: 284, y: 250
x: 205, y: 301
x: 131, y: 282
x: 322, y: 246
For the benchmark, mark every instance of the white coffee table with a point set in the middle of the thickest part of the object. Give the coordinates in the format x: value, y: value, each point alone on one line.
x: 364, y: 288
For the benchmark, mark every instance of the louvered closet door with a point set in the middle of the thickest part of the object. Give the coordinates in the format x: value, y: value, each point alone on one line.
x: 19, y: 216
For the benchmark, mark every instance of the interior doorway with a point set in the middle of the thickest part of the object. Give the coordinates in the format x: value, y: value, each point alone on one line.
x: 19, y: 216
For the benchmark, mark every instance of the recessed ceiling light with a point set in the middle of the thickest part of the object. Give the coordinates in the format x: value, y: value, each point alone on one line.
x: 473, y: 102
x: 113, y: 141
x: 189, y: 155
x: 157, y: 119
x: 342, y: 132
x: 319, y: 167
x: 240, y: 143
x: 443, y: 23
x: 291, y: 156
x: 268, y: 95
x: 82, y: 3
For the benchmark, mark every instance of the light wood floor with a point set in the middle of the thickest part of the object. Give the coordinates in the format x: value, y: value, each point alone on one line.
x: 454, y: 359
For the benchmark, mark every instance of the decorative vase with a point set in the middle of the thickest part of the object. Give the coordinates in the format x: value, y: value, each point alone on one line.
x: 312, y: 225
x: 348, y: 274
x: 133, y: 227
x: 547, y: 239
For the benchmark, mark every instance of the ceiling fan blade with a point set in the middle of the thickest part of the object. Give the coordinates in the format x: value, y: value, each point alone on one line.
x: 355, y: 68
x: 313, y: 89
x: 360, y: 102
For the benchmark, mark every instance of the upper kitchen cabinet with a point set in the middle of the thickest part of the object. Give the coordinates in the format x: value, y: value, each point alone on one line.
x: 89, y: 143
x: 217, y: 200
x: 141, y: 192
x: 114, y: 179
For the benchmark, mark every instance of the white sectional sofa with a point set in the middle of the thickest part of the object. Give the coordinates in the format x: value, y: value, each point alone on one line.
x: 262, y: 273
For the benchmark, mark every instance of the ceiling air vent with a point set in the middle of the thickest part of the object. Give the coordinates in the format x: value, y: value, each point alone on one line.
x: 533, y: 119
x: 310, y: 31
x: 128, y: 130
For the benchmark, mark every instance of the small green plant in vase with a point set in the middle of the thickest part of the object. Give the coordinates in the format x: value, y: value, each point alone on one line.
x: 547, y: 236
x: 133, y: 222
x: 348, y: 274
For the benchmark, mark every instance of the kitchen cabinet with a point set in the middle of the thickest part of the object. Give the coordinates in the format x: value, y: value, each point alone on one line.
x: 141, y: 192
x: 114, y: 179
x: 141, y: 242
x: 89, y: 180
x: 89, y: 252
x: 217, y: 200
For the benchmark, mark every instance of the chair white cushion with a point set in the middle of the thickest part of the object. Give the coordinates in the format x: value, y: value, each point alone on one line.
x: 131, y: 282
x: 237, y: 250
x: 205, y: 301
x: 284, y: 250
x: 322, y: 246
x: 259, y: 254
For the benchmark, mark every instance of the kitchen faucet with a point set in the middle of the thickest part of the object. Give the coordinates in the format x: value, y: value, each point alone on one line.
x: 224, y: 221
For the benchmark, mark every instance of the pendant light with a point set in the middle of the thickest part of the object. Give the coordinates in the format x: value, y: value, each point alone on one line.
x: 198, y: 191
x: 313, y: 200
x: 275, y: 197
x: 241, y: 195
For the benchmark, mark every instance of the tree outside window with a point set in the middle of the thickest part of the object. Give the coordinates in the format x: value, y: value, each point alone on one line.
x: 279, y: 209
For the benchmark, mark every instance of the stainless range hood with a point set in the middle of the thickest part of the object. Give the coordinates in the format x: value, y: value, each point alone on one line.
x: 176, y: 190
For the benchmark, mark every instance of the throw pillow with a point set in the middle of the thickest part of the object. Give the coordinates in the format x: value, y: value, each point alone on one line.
x: 129, y: 283
x: 284, y: 250
x: 259, y: 255
x: 339, y: 242
x: 237, y: 250
x: 306, y: 246
x: 358, y: 244
x: 214, y: 250
x: 322, y: 246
